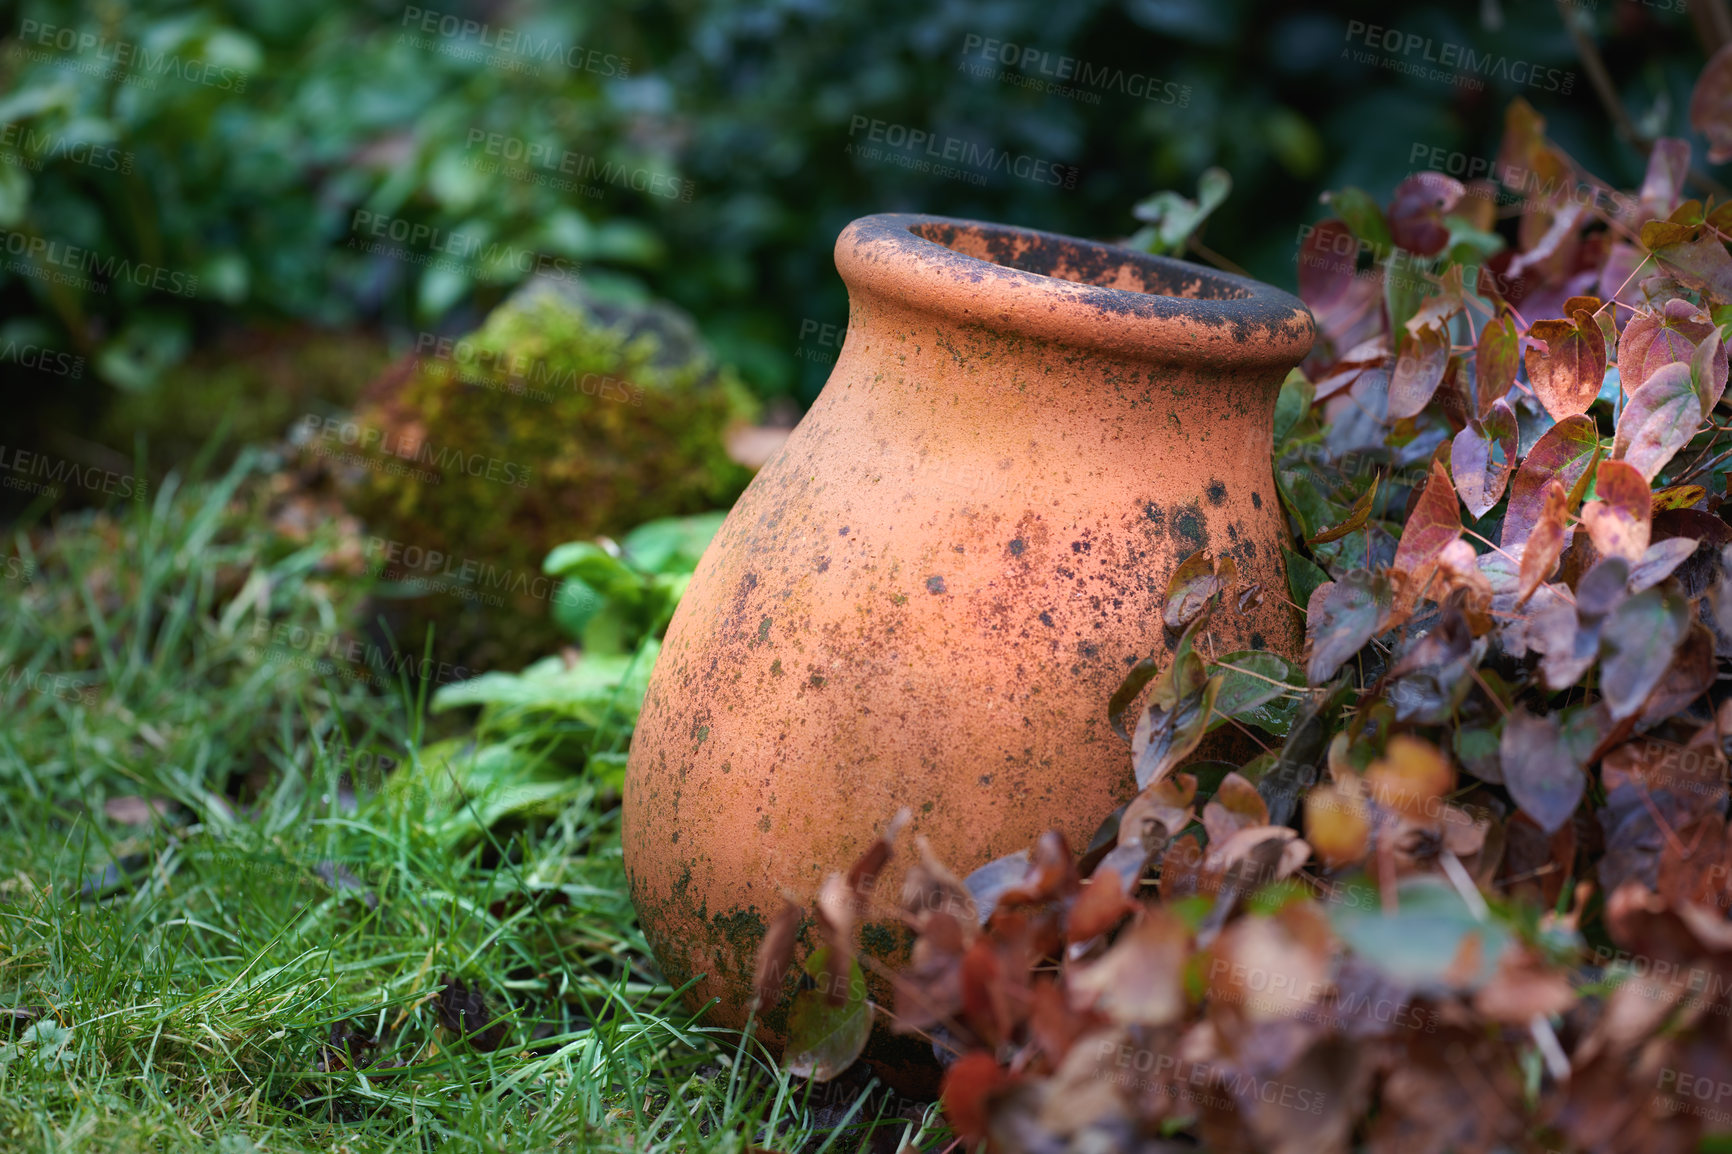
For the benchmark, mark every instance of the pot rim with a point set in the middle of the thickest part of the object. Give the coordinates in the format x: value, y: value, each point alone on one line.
x: 904, y: 257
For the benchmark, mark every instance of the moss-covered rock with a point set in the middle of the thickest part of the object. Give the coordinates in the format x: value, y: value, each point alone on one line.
x: 564, y: 417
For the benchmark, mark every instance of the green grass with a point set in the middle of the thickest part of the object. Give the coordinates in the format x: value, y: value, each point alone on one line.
x: 270, y: 973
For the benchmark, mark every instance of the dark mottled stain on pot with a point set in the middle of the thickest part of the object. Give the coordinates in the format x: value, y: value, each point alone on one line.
x: 886, y: 942
x: 1257, y: 641
x: 1017, y: 546
x: 1217, y: 493
x: 935, y: 584
x: 1045, y: 617
x: 1190, y: 527
x: 1256, y: 500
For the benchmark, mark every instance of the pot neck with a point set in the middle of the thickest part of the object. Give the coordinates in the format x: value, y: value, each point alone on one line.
x: 1059, y: 292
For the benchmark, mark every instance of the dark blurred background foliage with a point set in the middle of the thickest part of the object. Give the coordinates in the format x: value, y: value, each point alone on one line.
x: 738, y: 122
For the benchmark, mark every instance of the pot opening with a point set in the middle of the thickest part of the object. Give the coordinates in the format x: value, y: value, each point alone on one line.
x: 1107, y: 266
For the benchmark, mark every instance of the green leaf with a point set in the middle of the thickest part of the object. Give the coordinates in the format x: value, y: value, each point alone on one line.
x: 824, y: 1040
x: 1364, y: 216
x: 1292, y: 405
x: 1258, y: 687
x: 574, y: 606
x: 598, y: 687
x: 672, y: 544
x: 1419, y: 945
x: 14, y: 195
x: 1174, y: 218
x: 1303, y: 576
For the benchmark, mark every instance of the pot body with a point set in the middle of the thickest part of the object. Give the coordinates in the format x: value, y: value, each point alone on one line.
x: 927, y: 598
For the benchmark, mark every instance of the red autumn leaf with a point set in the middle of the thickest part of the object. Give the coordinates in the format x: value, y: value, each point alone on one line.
x: 1479, y: 477
x: 1524, y: 138
x: 967, y: 1092
x: 1433, y: 524
x: 1417, y: 210
x: 1701, y: 264
x: 1708, y: 367
x: 1567, y: 375
x: 1236, y: 805
x: 1328, y: 262
x: 1496, y: 357
x: 775, y: 953
x: 1418, y: 371
x: 1562, y: 454
x: 1711, y: 106
x: 1620, y: 518
x: 1653, y: 339
x: 1141, y: 980
x: 1189, y: 589
x: 1545, y: 544
x: 1659, y: 419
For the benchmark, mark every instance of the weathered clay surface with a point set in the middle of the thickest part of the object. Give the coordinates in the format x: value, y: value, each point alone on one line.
x: 928, y: 596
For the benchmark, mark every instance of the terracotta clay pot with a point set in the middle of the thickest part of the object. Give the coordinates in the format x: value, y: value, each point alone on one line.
x: 928, y: 596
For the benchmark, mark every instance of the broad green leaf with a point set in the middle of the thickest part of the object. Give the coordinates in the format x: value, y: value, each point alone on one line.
x: 1426, y: 941
x: 672, y: 544
x: 1258, y: 687
x: 824, y: 1040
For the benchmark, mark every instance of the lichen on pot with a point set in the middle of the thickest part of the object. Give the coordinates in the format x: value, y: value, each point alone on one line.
x: 928, y: 597
x: 563, y: 417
